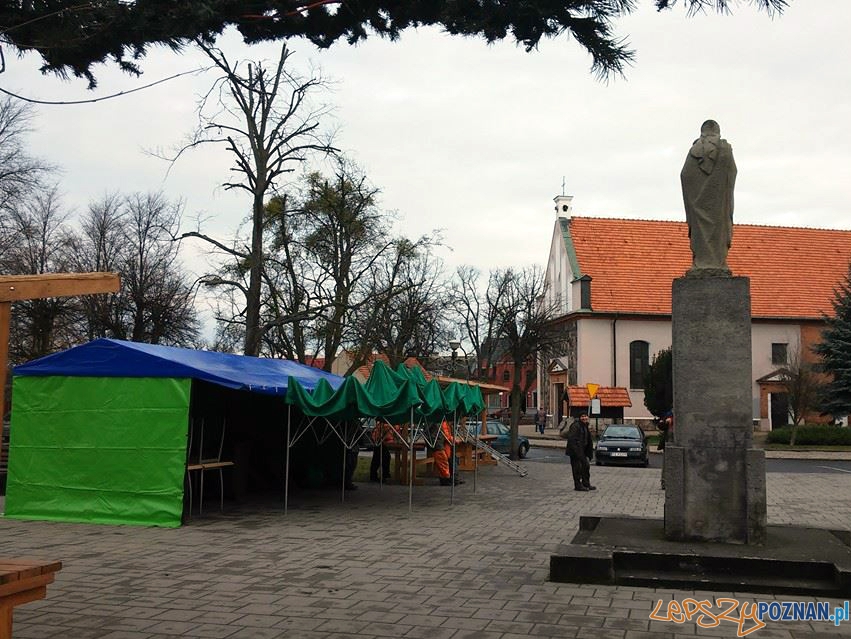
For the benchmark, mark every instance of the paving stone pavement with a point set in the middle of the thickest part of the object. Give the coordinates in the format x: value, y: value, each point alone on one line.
x: 368, y: 568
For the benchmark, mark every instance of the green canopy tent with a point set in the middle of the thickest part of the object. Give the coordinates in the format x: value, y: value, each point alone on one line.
x: 100, y: 431
x: 400, y: 396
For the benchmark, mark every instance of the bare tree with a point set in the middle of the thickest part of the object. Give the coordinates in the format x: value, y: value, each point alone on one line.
x: 408, y: 319
x: 265, y: 119
x: 42, y: 244
x: 332, y: 268
x: 100, y: 246
x: 160, y: 304
x: 21, y: 174
x: 476, y: 317
x: 510, y: 321
x: 133, y: 235
x: 524, y: 325
x: 803, y: 387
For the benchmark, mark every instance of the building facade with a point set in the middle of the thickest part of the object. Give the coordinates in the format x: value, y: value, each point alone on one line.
x: 610, y: 280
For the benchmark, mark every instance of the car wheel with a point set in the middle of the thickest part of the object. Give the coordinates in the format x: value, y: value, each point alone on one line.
x: 524, y: 449
x: 646, y: 462
x: 599, y: 463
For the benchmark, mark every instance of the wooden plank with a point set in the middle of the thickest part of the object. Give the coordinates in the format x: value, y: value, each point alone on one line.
x: 40, y: 581
x: 32, y: 562
x: 26, y: 287
x: 25, y: 596
x: 28, y: 566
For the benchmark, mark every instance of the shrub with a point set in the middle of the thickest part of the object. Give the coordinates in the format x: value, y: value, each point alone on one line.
x: 812, y: 436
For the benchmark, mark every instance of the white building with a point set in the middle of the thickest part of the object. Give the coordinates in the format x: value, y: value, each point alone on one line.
x: 611, y: 280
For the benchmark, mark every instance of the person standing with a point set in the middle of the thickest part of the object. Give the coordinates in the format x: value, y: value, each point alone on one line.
x: 580, y: 447
x: 666, y: 430
x: 382, y: 435
x: 540, y: 421
x: 443, y: 456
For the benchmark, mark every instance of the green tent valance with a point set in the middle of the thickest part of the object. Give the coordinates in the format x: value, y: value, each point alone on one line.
x: 389, y: 394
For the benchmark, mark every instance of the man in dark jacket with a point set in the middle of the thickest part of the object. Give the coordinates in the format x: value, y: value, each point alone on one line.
x: 580, y: 447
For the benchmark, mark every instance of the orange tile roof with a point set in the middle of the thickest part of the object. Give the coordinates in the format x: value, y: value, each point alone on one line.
x: 793, y: 271
x: 363, y: 372
x: 315, y: 362
x: 609, y: 396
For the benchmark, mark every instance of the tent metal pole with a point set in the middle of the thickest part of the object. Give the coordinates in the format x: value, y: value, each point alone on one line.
x: 287, y: 458
x: 343, y: 486
x: 483, y: 424
x: 411, y: 470
x: 453, y: 471
x: 476, y: 456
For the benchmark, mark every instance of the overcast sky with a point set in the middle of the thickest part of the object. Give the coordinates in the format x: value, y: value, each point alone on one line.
x: 475, y: 139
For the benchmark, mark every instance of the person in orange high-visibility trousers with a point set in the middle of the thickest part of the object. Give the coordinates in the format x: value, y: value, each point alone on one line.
x: 442, y: 455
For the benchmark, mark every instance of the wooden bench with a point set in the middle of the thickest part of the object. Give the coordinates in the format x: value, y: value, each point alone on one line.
x: 201, y: 468
x: 401, y: 465
x: 22, y: 581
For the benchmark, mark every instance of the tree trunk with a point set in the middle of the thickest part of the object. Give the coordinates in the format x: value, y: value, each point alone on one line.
x: 516, y: 395
x: 252, y: 298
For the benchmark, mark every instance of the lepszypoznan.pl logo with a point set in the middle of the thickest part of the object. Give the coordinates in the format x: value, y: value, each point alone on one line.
x: 748, y: 616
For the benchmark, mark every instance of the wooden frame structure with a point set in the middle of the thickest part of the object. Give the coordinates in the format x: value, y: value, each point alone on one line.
x: 16, y: 288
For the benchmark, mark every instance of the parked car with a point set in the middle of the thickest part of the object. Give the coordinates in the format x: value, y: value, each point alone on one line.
x: 622, y: 444
x: 502, y: 443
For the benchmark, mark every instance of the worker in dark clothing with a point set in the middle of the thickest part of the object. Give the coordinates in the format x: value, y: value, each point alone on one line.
x: 580, y: 447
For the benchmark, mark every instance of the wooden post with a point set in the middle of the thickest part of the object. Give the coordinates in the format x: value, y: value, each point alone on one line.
x: 14, y: 288
x: 5, y: 319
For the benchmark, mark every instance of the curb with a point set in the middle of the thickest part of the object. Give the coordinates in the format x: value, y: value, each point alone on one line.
x: 816, y: 455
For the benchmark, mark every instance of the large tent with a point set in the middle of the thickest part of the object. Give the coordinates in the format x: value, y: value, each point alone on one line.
x: 104, y: 432
x: 100, y: 432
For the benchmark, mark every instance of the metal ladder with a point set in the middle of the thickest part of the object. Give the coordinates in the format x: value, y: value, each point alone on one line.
x: 498, y: 456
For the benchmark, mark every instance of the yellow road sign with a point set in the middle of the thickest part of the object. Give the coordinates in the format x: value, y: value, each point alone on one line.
x: 592, y: 389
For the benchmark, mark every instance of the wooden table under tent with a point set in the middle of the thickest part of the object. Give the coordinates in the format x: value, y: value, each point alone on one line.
x: 121, y: 432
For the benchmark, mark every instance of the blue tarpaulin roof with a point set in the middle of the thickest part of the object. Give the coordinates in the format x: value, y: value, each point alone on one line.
x: 117, y: 358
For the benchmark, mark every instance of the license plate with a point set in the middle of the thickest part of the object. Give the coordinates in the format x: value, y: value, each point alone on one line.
x: 619, y: 454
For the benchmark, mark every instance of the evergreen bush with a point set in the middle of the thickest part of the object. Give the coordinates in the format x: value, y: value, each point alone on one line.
x: 812, y: 436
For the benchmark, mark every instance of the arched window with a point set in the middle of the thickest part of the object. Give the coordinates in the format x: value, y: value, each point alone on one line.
x: 639, y: 362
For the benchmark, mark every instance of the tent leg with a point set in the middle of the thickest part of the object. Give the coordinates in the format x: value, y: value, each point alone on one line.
x: 343, y: 489
x: 287, y: 458
x: 476, y: 458
x: 189, y: 481
x: 411, y: 470
x: 222, y: 489
x: 201, y: 472
x: 453, y: 470
x: 483, y: 420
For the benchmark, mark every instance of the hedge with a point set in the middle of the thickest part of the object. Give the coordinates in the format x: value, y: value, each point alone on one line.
x: 812, y: 436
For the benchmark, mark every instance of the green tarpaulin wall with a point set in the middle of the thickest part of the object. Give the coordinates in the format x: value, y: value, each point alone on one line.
x: 97, y: 449
x: 387, y: 394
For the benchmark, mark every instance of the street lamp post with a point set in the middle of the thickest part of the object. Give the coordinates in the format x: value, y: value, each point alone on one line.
x: 454, y: 344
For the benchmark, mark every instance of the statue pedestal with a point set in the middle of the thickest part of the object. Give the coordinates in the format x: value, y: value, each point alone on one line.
x: 714, y: 479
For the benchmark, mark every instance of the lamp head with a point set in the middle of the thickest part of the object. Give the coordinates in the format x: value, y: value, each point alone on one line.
x: 454, y: 344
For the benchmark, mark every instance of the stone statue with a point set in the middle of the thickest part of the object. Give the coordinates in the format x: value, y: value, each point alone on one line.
x: 708, y: 178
